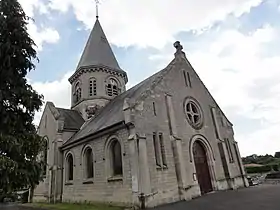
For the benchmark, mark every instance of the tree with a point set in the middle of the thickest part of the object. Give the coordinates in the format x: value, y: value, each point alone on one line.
x: 19, y: 143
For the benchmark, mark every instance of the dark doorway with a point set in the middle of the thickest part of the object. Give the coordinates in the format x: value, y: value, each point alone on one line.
x: 202, y: 168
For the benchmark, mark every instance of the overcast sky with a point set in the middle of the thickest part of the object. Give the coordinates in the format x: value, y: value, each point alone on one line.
x: 234, y: 46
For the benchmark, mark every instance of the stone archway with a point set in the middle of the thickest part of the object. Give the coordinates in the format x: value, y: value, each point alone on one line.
x: 202, y: 167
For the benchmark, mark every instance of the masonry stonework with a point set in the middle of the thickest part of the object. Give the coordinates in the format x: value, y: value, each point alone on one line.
x: 175, y: 141
x: 101, y: 188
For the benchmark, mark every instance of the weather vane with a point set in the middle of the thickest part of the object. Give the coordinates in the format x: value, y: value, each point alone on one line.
x: 97, y: 2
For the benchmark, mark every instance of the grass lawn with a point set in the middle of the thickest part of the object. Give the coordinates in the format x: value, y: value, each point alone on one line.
x: 69, y: 206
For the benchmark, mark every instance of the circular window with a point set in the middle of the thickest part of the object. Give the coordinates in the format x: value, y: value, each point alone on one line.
x: 193, y: 113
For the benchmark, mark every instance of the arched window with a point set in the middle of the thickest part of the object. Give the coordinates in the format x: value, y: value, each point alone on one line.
x: 92, y: 87
x: 69, y: 168
x: 46, y: 148
x: 88, y: 163
x: 116, y: 158
x: 77, y: 93
x: 112, y: 87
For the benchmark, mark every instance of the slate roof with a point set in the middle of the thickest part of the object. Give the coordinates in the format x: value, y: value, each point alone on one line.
x: 72, y: 119
x: 97, y: 51
x: 112, y: 113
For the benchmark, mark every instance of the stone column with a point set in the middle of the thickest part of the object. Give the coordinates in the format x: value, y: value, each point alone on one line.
x: 57, y: 166
x: 134, y: 165
x: 177, y: 147
x: 145, y: 180
x: 241, y: 167
x: 133, y: 150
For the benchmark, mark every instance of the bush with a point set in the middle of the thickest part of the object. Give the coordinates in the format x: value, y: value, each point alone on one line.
x: 275, y: 167
x: 261, y: 169
x: 273, y: 176
x: 24, y: 197
x: 8, y: 197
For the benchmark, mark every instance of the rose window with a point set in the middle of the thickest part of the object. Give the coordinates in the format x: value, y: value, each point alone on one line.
x: 193, y: 113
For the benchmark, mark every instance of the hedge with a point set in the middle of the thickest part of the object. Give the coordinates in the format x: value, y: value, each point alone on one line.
x: 275, y: 175
x: 262, y: 169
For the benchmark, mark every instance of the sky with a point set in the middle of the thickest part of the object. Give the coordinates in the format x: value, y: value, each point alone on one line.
x: 234, y: 46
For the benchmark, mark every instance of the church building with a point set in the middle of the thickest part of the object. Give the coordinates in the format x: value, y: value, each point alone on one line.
x: 162, y: 141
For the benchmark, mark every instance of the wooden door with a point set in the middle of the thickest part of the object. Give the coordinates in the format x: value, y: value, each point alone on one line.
x: 202, y: 168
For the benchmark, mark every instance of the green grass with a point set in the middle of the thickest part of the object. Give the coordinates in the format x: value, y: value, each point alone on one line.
x: 69, y: 206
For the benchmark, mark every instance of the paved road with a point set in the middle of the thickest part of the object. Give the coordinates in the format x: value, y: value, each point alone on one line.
x: 263, y: 197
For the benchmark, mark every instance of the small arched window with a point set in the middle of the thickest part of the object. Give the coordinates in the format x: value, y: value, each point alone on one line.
x: 112, y: 87
x: 77, y: 93
x: 46, y: 148
x: 88, y: 163
x: 69, y: 168
x: 116, y: 158
x: 92, y: 87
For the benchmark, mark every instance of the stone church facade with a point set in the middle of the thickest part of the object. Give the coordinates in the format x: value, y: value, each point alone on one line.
x: 162, y: 141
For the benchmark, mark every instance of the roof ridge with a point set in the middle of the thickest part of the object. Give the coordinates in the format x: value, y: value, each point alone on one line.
x: 154, y: 83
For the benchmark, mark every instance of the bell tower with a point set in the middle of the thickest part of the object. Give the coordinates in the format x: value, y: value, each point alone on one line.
x: 98, y: 77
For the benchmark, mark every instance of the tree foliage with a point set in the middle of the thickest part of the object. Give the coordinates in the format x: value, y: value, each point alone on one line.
x: 19, y: 143
x: 267, y: 163
x: 260, y: 169
x: 260, y: 159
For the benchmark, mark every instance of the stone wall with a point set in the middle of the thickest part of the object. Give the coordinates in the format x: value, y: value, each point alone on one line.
x: 152, y: 114
x: 48, y: 129
x: 100, y: 188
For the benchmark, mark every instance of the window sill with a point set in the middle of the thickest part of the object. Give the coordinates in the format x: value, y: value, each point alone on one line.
x: 164, y: 167
x: 115, y: 179
x: 69, y: 183
x: 88, y: 181
x: 158, y: 167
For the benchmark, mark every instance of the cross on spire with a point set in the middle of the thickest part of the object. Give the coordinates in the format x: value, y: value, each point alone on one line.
x: 97, y: 2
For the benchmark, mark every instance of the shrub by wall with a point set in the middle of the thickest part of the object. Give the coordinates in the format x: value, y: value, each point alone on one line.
x: 261, y: 169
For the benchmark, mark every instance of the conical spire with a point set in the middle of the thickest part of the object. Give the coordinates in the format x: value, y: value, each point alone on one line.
x: 98, y: 51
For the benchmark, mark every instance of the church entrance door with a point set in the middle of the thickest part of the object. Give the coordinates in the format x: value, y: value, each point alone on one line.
x: 202, y: 168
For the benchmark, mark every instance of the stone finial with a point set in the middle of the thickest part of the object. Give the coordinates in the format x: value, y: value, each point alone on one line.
x: 179, y: 50
x: 178, y: 46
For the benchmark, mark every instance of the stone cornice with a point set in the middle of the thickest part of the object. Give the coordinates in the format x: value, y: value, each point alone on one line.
x: 97, y: 68
x: 92, y: 98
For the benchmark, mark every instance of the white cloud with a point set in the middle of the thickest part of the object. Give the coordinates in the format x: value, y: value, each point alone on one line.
x: 58, y: 92
x: 45, y: 35
x: 242, y: 81
x: 240, y: 87
x: 40, y: 36
x: 152, y: 23
x: 30, y: 5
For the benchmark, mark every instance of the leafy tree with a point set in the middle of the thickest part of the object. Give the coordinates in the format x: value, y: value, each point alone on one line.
x: 259, y: 159
x: 19, y: 143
